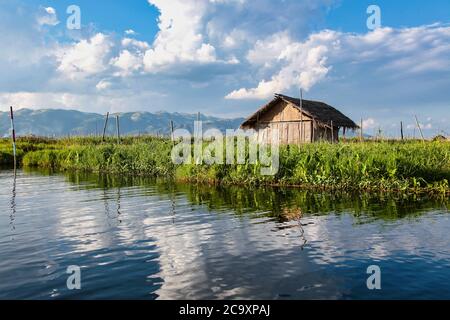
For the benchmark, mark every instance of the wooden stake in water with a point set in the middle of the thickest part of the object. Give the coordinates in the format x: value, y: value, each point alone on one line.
x: 104, y: 128
x: 13, y: 137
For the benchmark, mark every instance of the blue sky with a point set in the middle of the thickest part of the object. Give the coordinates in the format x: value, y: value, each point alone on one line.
x: 227, y: 57
x: 348, y: 14
x: 112, y: 16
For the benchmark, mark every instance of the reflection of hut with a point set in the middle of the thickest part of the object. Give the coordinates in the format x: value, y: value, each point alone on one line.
x: 290, y: 214
x: 297, y: 121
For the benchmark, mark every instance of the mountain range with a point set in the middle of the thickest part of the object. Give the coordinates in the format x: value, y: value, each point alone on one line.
x: 58, y: 123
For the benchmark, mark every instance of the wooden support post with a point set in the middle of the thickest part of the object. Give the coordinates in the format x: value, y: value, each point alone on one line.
x: 361, y: 135
x: 301, y: 133
x: 401, y: 130
x: 313, y: 127
x: 118, y: 129
x: 13, y: 137
x: 171, y: 132
x: 302, y: 124
x: 104, y: 128
x: 344, y: 134
x: 332, y: 132
x: 304, y: 130
x: 420, y: 129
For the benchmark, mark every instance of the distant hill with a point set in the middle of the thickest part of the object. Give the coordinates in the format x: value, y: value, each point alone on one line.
x: 49, y: 122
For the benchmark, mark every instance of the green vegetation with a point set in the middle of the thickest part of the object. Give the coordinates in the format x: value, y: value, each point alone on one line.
x: 390, y: 166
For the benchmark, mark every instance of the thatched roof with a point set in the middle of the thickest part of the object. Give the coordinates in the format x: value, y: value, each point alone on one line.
x: 321, y: 112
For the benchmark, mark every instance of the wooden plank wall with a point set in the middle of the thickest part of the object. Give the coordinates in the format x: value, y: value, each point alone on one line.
x: 293, y: 128
x: 291, y: 125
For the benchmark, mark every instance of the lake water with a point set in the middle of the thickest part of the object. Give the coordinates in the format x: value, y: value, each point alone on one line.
x: 136, y: 238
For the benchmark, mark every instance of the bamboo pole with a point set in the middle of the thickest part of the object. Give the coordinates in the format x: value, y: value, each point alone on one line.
x: 420, y: 129
x: 118, y: 129
x: 13, y: 137
x: 301, y: 128
x: 104, y: 128
x: 361, y: 135
x: 332, y: 132
x: 301, y: 99
x: 171, y: 132
x: 313, y: 136
x: 302, y: 125
x: 401, y: 130
x: 304, y: 129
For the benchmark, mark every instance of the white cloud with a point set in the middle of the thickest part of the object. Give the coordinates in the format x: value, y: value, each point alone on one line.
x: 208, y: 49
x: 103, y: 85
x: 127, y: 63
x: 304, y: 64
x: 113, y: 100
x: 267, y: 51
x: 130, y: 32
x: 86, y: 57
x: 233, y: 60
x: 133, y: 43
x: 423, y: 126
x: 35, y: 100
x: 180, y: 38
x: 47, y: 16
x: 370, y: 123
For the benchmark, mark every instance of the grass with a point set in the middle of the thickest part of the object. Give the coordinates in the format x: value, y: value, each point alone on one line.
x: 410, y: 166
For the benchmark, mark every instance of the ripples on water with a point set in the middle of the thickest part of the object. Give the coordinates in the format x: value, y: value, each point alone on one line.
x: 143, y: 239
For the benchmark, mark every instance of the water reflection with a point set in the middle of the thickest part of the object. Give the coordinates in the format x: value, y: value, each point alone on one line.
x: 112, y: 215
x: 201, y: 259
x: 282, y: 205
x: 12, y: 216
x: 153, y: 239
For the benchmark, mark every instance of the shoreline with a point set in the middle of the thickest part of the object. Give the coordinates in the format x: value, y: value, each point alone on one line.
x: 395, y: 167
x: 423, y: 191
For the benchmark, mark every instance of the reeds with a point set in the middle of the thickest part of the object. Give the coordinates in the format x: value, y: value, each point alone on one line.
x: 389, y: 166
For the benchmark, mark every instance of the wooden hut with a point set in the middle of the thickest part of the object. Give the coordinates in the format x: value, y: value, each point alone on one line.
x: 297, y: 121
